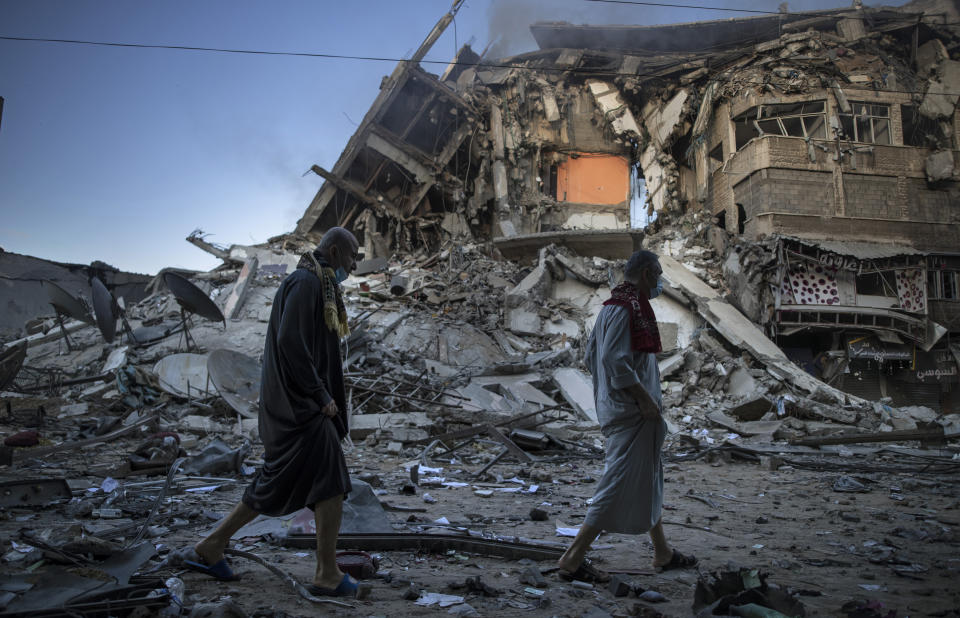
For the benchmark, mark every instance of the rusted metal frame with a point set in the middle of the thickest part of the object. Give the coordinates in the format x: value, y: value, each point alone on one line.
x: 427, y: 102
x: 431, y: 390
x: 441, y: 90
x: 420, y: 384
x: 402, y: 396
x: 406, y: 131
x: 432, y: 543
x: 511, y: 446
x: 491, y: 463
x: 349, y: 186
x: 372, y: 395
x: 348, y: 218
x: 459, y: 135
x: 386, y: 95
x: 407, y: 148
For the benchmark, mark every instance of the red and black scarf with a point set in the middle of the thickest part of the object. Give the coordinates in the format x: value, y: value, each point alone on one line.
x: 644, y: 334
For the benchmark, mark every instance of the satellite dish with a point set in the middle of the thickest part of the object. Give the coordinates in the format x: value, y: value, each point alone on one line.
x: 183, y: 375
x: 11, y: 360
x: 237, y: 378
x: 65, y: 304
x: 105, y: 309
x: 191, y: 300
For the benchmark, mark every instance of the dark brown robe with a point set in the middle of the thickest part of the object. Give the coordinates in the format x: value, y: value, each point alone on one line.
x: 302, y: 372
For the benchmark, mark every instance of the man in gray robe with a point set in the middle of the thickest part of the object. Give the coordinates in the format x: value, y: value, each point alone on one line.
x: 621, y: 356
x: 303, y: 415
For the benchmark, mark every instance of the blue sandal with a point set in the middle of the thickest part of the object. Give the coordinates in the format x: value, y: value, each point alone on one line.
x: 346, y: 588
x: 219, y: 570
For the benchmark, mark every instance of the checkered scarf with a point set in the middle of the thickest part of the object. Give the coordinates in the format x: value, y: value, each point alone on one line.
x: 334, y: 311
x: 644, y: 334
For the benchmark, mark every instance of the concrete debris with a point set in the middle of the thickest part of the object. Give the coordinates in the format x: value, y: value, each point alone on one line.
x: 797, y: 178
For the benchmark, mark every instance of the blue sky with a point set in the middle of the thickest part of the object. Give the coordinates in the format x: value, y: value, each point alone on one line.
x: 117, y: 154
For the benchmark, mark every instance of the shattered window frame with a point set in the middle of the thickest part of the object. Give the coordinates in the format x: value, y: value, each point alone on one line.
x: 943, y: 285
x: 866, y: 122
x: 804, y: 119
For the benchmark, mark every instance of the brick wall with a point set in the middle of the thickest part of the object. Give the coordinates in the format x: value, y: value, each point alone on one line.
x: 780, y: 190
x: 927, y: 205
x: 871, y: 197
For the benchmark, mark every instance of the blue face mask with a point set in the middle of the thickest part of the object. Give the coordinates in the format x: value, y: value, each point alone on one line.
x: 654, y: 292
x: 340, y: 274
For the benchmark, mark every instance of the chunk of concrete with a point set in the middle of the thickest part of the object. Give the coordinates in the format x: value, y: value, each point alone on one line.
x: 939, y: 165
x: 752, y: 409
x: 670, y: 364
x: 524, y: 322
x: 741, y: 383
x: 535, y: 286
x: 239, y: 292
x: 362, y: 425
x: 929, y: 55
x: 565, y: 326
x: 941, y: 97
x: 577, y: 388
x: 614, y: 108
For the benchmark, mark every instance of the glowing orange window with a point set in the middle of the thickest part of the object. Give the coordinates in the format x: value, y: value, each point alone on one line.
x: 594, y: 179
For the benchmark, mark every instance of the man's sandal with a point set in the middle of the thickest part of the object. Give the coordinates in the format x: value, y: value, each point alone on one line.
x: 678, y: 561
x: 586, y: 572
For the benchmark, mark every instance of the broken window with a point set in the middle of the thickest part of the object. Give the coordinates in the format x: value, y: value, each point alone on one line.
x: 803, y: 119
x: 874, y: 284
x: 943, y: 284
x: 867, y: 122
x: 918, y: 130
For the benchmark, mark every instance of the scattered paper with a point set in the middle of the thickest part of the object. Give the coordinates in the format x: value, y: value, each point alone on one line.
x: 433, y: 598
x: 564, y: 530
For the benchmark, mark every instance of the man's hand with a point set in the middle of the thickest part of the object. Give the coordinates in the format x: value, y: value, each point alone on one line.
x: 330, y: 409
x: 648, y: 408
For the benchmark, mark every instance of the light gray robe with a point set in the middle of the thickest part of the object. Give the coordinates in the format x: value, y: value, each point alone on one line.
x: 629, y: 497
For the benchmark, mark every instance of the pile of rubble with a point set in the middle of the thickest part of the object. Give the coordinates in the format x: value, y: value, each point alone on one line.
x: 473, y: 432
x: 453, y: 357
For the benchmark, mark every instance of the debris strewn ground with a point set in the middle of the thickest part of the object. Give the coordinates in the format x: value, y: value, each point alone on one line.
x: 809, y: 484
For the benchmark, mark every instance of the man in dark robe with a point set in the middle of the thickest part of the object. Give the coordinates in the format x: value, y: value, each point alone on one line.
x: 303, y: 414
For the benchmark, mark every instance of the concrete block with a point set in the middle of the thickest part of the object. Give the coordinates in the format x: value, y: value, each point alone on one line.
x: 362, y: 425
x: 524, y: 322
x: 753, y: 409
x: 741, y: 383
x: 619, y: 585
x: 534, y: 287
x: 929, y: 56
x: 939, y: 165
x: 565, y: 326
x: 941, y: 98
x: 577, y: 388
x: 239, y: 292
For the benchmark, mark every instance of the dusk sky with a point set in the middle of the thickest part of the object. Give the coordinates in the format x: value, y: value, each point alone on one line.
x: 117, y: 154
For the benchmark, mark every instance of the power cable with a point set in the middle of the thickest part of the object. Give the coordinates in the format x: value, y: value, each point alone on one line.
x: 483, y: 65
x: 725, y: 9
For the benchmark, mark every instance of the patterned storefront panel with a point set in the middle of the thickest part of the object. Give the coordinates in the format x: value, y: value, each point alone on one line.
x: 911, y: 288
x: 812, y: 284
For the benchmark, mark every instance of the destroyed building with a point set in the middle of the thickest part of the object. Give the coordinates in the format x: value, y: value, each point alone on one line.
x: 821, y: 144
x: 797, y: 175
